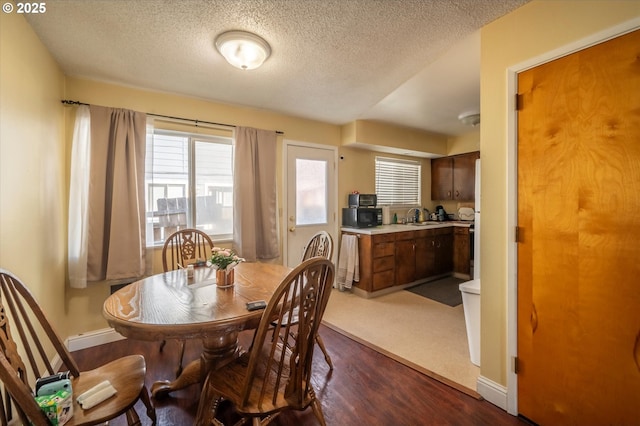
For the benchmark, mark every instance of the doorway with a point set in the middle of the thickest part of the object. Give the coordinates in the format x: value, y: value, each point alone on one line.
x: 310, y: 181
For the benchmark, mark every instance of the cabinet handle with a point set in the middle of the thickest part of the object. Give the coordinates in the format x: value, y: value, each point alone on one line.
x: 457, y: 194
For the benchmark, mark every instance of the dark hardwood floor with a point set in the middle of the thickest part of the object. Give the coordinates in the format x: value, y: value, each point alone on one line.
x: 365, y: 387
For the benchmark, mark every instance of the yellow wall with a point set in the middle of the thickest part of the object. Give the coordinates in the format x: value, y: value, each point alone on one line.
x: 467, y: 142
x: 33, y: 203
x: 529, y: 32
x: 404, y: 140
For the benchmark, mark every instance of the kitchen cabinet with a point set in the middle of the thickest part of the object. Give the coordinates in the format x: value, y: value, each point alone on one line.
x: 423, y: 244
x: 383, y: 261
x: 423, y: 254
x: 453, y: 178
x: 405, y: 258
x: 461, y: 251
x: 377, y: 261
x: 439, y: 254
x: 400, y: 258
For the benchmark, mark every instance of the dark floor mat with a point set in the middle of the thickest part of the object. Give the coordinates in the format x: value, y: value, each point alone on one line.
x: 445, y: 290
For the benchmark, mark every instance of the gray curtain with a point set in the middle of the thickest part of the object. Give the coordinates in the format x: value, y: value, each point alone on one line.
x: 255, y: 219
x: 116, y: 231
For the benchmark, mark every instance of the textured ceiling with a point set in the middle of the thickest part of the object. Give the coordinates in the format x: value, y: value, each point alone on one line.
x: 409, y: 62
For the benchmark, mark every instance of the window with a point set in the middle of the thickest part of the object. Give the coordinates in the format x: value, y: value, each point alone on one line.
x: 189, y: 184
x: 398, y: 182
x: 311, y: 192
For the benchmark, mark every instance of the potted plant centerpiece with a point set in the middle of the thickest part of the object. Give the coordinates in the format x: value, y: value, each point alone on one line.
x: 224, y: 260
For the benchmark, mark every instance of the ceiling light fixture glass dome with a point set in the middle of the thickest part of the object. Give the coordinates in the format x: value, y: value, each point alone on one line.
x: 242, y: 49
x: 471, y: 118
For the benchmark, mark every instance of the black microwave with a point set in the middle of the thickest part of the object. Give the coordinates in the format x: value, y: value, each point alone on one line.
x: 357, y: 217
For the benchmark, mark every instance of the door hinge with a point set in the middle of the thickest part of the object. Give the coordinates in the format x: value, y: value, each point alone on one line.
x: 519, y: 102
x: 515, y: 364
x: 517, y: 234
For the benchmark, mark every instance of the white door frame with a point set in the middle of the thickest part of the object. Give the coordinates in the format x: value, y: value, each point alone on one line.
x: 285, y: 184
x: 512, y: 188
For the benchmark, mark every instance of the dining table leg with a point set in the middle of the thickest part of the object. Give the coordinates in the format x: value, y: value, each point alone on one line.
x: 217, y: 350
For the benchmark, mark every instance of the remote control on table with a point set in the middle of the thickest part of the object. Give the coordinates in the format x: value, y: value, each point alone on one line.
x: 258, y: 304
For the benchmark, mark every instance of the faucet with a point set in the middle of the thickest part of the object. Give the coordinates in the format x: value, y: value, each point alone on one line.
x: 411, y: 214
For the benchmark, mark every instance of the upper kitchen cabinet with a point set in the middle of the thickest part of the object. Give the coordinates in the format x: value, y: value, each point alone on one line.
x: 453, y: 178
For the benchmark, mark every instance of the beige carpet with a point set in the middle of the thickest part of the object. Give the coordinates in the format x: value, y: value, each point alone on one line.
x: 421, y: 333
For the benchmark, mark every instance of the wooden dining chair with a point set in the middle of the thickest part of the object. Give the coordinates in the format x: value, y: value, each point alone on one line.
x: 185, y: 247
x: 321, y: 244
x: 26, y: 332
x: 180, y: 249
x: 275, y: 375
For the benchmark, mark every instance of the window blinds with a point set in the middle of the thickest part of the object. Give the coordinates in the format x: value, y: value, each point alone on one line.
x: 398, y: 181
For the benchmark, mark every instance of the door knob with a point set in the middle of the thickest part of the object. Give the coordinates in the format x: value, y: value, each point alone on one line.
x: 292, y: 228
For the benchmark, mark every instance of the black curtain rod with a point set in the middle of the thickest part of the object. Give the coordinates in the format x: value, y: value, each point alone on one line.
x: 68, y: 102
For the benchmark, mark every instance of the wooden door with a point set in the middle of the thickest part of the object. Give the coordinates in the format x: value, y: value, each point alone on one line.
x: 579, y: 248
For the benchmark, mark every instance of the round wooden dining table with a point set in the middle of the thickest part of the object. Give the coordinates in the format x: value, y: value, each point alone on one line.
x: 173, y: 306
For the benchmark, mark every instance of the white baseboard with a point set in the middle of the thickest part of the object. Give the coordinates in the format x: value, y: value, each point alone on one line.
x: 492, y: 392
x: 92, y: 338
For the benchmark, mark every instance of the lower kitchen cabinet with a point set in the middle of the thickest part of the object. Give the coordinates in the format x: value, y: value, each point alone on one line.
x: 405, y: 258
x: 438, y: 254
x: 398, y: 258
x: 424, y: 268
x: 383, y: 248
x: 462, y: 251
x: 423, y: 254
x: 443, y: 241
x: 377, y: 261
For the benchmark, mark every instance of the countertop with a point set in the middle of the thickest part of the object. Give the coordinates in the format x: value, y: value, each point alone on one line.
x: 387, y: 229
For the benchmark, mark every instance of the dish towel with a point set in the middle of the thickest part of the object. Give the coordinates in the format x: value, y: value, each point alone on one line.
x: 348, y: 263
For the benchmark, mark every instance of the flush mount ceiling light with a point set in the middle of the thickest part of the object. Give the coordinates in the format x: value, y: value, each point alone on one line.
x: 470, y: 118
x: 243, y: 50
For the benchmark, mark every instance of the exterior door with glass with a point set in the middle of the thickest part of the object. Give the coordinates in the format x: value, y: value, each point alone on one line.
x: 310, y: 181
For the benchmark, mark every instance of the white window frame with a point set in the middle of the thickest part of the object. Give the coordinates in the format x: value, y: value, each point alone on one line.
x: 191, y: 192
x: 398, y: 182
